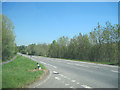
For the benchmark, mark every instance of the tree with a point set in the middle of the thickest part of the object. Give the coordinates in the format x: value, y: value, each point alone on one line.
x: 30, y: 49
x: 100, y: 45
x: 62, y: 44
x: 41, y: 49
x: 72, y: 50
x: 0, y: 37
x: 22, y: 49
x: 53, y: 49
x: 8, y: 38
x: 104, y: 43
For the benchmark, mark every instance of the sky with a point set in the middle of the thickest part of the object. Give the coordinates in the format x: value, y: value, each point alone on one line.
x: 43, y: 22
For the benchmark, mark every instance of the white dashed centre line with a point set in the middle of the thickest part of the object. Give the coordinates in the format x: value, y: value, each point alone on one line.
x: 73, y: 80
x: 55, y: 72
x: 71, y: 87
x: 85, y: 86
x: 64, y: 76
x: 54, y: 66
x: 57, y: 78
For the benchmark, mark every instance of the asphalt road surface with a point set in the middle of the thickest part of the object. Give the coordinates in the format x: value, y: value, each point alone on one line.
x: 76, y: 74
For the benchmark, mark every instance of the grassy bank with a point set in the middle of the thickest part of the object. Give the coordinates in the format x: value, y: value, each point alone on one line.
x: 19, y: 73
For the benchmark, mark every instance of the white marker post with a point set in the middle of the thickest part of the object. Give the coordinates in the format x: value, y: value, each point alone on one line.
x: 38, y: 66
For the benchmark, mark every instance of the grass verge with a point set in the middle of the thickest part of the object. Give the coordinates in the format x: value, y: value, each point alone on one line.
x: 19, y: 73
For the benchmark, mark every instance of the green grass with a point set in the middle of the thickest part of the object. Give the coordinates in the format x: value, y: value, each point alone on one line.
x: 19, y: 73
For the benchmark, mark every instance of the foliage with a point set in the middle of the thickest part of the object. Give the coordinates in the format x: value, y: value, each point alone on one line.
x: 8, y: 38
x: 41, y: 49
x: 0, y: 50
x: 22, y: 49
x: 101, y: 45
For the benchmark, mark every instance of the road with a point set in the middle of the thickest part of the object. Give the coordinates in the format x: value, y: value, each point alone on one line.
x: 9, y: 60
x: 76, y: 74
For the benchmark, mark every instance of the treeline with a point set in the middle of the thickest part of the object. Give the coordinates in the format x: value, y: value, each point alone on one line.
x: 99, y: 45
x: 9, y: 48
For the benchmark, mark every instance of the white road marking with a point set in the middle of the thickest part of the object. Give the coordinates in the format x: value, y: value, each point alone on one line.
x: 114, y: 71
x: 78, y: 83
x: 54, y: 66
x: 57, y: 78
x: 55, y: 72
x: 85, y: 86
x: 64, y: 76
x: 71, y: 87
x: 73, y: 80
x: 67, y: 84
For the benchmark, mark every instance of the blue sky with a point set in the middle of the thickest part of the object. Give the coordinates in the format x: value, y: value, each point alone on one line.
x: 43, y: 22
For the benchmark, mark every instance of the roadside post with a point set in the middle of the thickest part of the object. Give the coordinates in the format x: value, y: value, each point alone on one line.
x: 38, y: 66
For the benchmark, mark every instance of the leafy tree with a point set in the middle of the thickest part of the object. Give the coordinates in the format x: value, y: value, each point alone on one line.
x: 30, y: 49
x: 102, y: 45
x: 62, y: 44
x: 8, y: 38
x: 0, y: 48
x: 22, y: 49
x: 41, y: 49
x: 53, y: 49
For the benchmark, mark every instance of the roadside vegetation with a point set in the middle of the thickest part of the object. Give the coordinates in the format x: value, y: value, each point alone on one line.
x: 19, y: 73
x: 100, y: 45
x: 8, y: 39
x: 0, y: 50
